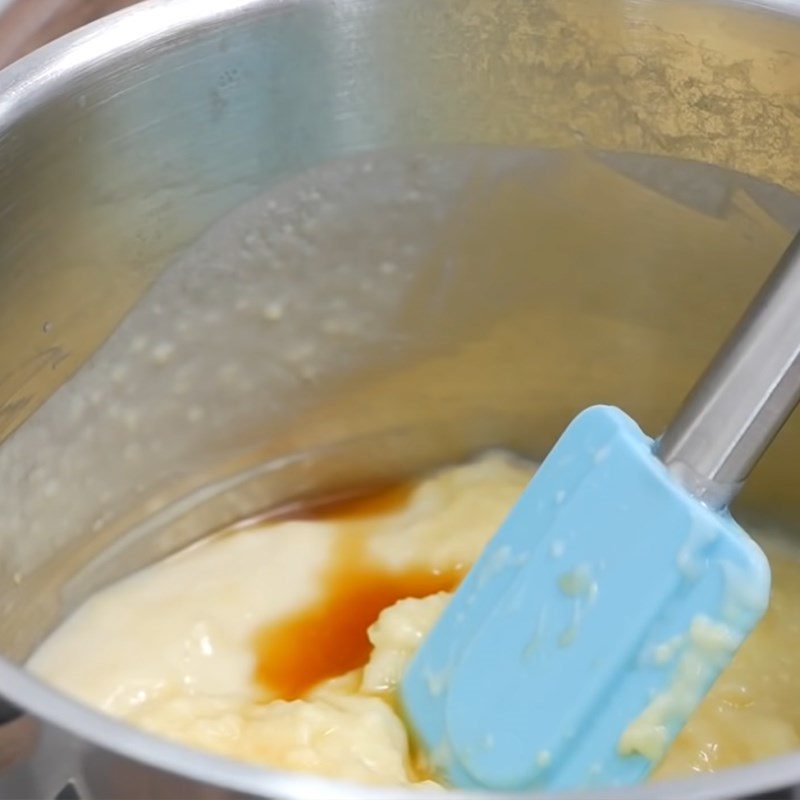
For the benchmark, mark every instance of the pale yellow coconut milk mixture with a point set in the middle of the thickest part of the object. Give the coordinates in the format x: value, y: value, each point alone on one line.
x: 282, y: 644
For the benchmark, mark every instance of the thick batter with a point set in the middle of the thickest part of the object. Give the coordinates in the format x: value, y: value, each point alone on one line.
x: 282, y: 644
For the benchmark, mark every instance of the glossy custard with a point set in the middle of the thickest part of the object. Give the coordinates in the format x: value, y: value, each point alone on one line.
x: 282, y: 643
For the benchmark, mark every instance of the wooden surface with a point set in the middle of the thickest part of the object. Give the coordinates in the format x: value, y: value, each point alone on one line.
x: 28, y: 24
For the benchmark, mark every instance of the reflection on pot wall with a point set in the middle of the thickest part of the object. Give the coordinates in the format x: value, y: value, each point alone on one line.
x: 151, y: 151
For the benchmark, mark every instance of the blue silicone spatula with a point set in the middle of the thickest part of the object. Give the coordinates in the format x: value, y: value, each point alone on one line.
x: 618, y: 587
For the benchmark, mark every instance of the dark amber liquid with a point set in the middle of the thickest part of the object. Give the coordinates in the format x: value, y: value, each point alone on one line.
x: 329, y: 637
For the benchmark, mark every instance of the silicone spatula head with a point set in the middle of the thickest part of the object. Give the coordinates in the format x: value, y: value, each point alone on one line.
x: 619, y: 586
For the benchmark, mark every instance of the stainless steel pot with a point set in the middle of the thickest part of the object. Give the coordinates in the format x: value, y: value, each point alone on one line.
x: 28, y: 24
x: 252, y: 250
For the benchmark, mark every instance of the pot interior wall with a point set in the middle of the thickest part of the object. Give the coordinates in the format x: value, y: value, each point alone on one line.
x: 319, y: 245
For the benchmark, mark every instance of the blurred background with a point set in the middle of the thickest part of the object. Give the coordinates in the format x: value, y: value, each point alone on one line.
x: 27, y: 24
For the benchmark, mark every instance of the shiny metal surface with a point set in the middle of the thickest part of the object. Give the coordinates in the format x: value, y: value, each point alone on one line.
x: 745, y: 396
x: 28, y: 24
x: 252, y: 250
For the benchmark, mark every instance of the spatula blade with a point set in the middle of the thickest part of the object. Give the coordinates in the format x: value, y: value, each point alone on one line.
x: 593, y: 624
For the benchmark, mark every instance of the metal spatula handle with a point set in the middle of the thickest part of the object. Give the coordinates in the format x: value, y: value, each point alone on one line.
x: 749, y: 390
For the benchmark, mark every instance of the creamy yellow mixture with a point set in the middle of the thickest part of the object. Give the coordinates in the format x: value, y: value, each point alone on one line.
x: 200, y: 648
